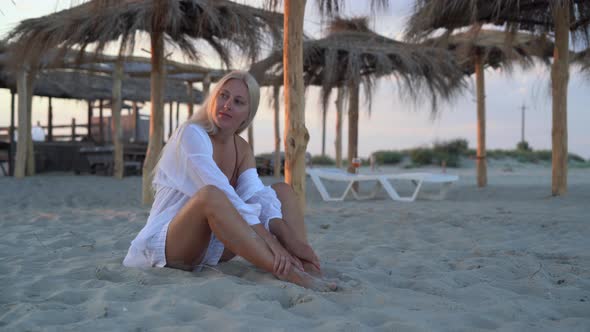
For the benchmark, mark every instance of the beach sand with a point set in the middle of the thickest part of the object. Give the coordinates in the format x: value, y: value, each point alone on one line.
x: 507, y: 257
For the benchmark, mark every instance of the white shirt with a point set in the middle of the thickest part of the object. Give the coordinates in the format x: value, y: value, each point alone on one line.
x: 186, y: 166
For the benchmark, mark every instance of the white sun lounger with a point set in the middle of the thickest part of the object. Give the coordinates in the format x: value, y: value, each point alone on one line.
x: 381, y: 180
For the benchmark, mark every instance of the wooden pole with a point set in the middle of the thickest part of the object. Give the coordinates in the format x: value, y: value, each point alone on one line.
x: 251, y: 135
x: 101, y: 119
x: 30, y: 149
x: 277, y: 155
x: 89, y: 123
x: 324, y: 115
x: 73, y: 128
x: 170, y: 111
x: 21, y: 147
x: 117, y: 133
x: 296, y: 135
x: 353, y: 124
x: 177, y: 114
x: 481, y: 163
x: 191, y: 97
x: 157, y: 117
x: 206, y: 85
x: 50, y: 121
x: 135, y: 111
x: 338, y: 141
x: 559, y: 88
x: 11, y: 134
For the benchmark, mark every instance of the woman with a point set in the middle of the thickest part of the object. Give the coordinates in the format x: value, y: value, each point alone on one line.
x: 210, y: 204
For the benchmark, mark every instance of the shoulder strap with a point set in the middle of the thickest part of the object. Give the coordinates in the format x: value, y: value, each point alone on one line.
x: 234, y: 177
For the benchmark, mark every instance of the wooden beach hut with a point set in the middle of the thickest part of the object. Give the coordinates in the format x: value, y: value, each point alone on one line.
x: 562, y: 18
x: 176, y: 23
x: 88, y: 86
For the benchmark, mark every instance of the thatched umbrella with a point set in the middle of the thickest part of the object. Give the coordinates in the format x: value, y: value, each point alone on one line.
x: 352, y: 55
x: 177, y: 22
x: 561, y: 17
x: 296, y: 135
x: 479, y: 48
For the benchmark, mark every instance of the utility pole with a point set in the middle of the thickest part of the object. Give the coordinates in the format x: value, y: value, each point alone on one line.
x: 523, y: 109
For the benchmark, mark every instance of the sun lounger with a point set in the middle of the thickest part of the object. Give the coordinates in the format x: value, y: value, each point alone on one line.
x: 335, y: 174
x: 381, y: 181
x: 418, y: 179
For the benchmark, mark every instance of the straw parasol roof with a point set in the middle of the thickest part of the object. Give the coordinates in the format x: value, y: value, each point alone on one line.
x: 497, y: 48
x: 353, y: 54
x: 530, y: 15
x: 100, y: 22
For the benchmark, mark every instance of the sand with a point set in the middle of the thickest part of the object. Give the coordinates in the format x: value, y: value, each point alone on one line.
x: 507, y: 257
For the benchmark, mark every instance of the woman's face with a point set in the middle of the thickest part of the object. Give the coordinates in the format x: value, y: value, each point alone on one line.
x: 232, y: 106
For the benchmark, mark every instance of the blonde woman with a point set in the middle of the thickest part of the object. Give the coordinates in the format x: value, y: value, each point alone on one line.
x: 210, y: 204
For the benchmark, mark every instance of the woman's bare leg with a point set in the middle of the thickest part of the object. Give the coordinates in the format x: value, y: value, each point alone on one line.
x: 290, y: 212
x: 210, y: 211
x: 294, y: 218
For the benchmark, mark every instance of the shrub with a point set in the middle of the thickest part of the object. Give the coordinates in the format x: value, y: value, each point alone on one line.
x: 450, y: 151
x: 388, y: 157
x: 421, y: 156
x: 544, y: 155
x: 322, y: 160
x: 523, y: 146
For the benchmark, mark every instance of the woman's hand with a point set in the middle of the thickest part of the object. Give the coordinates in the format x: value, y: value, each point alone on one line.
x: 283, y: 260
x: 302, y: 250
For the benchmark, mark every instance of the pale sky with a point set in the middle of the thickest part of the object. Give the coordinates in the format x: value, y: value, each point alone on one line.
x: 393, y: 124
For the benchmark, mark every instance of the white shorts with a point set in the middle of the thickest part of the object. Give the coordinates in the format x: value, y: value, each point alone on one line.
x: 157, y: 244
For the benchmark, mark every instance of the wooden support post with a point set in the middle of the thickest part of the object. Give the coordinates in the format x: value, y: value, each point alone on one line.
x: 296, y: 135
x: 559, y: 87
x: 11, y: 134
x: 481, y: 163
x: 135, y: 111
x: 73, y: 138
x: 155, y: 144
x: 324, y: 115
x: 170, y: 111
x: 177, y: 112
x: 89, y: 123
x: 353, y: 124
x: 21, y: 147
x: 206, y: 85
x: 117, y: 133
x: 101, y: 121
x: 50, y: 121
x: 191, y: 97
x: 277, y: 156
x: 338, y: 141
x: 29, y: 129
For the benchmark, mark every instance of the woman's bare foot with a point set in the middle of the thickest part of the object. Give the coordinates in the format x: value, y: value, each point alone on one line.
x: 306, y: 280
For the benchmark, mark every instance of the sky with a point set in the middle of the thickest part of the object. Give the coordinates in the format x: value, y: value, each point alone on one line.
x: 393, y: 122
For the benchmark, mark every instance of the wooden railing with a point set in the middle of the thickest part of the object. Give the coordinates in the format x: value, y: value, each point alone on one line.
x: 74, y: 134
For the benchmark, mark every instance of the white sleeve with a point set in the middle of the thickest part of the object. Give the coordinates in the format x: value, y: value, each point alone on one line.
x: 253, y: 191
x: 201, y: 170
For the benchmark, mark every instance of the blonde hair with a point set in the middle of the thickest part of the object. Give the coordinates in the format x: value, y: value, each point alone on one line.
x: 204, y: 116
